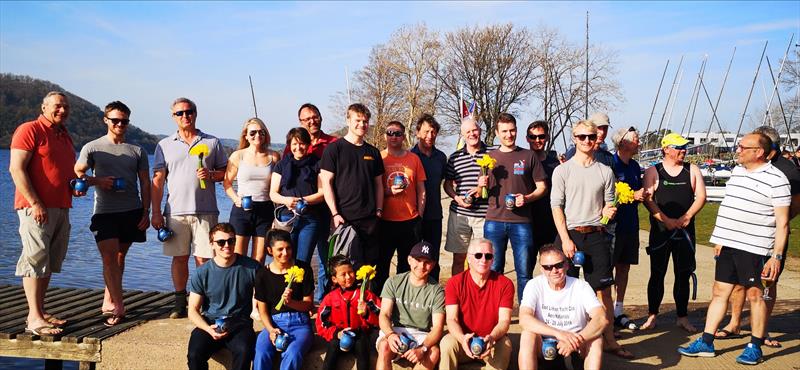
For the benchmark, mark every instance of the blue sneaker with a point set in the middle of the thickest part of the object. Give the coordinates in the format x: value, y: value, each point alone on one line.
x: 751, y: 355
x: 698, y: 348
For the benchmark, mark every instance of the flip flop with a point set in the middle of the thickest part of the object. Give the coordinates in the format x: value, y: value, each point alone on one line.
x: 727, y: 334
x: 772, y: 343
x: 44, y: 330
x: 107, y: 312
x: 55, y: 321
x: 620, y: 352
x: 113, y: 320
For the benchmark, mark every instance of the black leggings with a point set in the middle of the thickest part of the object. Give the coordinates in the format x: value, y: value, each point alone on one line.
x: 400, y: 236
x: 360, y: 350
x: 241, y: 342
x: 683, y: 265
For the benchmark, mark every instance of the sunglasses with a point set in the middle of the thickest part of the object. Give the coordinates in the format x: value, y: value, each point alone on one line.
x: 222, y: 242
x: 395, y: 133
x: 253, y: 133
x: 119, y: 121
x: 583, y: 137
x: 678, y: 147
x: 559, y: 266
x: 188, y: 112
x: 489, y: 256
x: 537, y: 137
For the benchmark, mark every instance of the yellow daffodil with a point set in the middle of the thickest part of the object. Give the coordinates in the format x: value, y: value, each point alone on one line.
x: 486, y: 163
x: 200, y: 150
x: 293, y: 275
x: 623, y: 194
x: 364, y: 273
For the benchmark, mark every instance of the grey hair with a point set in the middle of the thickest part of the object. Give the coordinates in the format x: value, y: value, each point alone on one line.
x: 184, y: 100
x: 53, y: 93
x: 623, y: 133
x: 478, y: 241
x: 771, y: 133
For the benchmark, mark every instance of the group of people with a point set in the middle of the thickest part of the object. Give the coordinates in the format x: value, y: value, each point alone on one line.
x: 563, y: 210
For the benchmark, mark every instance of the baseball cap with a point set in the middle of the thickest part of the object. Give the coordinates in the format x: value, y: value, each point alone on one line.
x: 673, y: 139
x: 600, y: 119
x: 422, y: 249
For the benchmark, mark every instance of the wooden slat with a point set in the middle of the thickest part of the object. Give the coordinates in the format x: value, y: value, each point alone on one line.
x: 64, y: 310
x: 98, y: 328
x: 154, y: 310
x: 18, y: 300
x: 55, y: 303
x: 55, y: 351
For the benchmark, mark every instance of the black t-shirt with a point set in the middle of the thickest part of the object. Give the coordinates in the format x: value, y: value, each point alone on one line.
x: 354, y: 170
x: 299, y: 178
x: 270, y: 287
x: 791, y: 171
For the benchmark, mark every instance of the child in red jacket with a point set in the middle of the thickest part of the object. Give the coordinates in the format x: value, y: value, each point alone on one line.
x: 339, y: 311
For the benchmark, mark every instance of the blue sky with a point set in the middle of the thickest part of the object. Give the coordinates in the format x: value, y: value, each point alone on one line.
x: 148, y: 53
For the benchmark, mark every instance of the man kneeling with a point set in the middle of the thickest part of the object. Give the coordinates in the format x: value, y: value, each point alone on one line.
x: 557, y: 306
x: 223, y: 288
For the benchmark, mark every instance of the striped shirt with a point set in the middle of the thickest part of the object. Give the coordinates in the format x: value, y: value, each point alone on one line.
x: 464, y: 171
x: 746, y: 217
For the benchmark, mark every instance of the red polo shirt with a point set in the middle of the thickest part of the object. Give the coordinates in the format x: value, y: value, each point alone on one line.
x: 478, y: 307
x: 51, y: 166
x: 318, y: 147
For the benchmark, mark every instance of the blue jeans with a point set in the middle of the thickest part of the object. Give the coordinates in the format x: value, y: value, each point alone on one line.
x: 298, y: 326
x: 521, y: 237
x: 310, y: 232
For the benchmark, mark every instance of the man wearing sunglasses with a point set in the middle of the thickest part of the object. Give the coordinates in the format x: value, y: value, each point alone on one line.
x: 516, y: 180
x: 120, y: 217
x: 602, y: 155
x: 678, y: 194
x: 311, y: 119
x: 750, y: 237
x: 478, y: 302
x: 582, y: 194
x: 190, y: 210
x: 558, y: 306
x: 221, y: 292
x: 541, y: 216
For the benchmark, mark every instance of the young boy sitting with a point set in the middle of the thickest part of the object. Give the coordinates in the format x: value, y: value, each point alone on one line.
x: 339, y: 311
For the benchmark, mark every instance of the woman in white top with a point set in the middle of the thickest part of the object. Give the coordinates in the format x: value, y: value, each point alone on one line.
x: 251, y: 166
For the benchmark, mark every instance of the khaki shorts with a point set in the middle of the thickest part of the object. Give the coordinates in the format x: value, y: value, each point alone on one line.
x: 191, y: 233
x: 461, y: 230
x: 417, y: 334
x: 43, y: 246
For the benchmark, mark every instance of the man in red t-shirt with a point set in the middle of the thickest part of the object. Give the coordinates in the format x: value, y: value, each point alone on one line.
x: 42, y: 161
x: 478, y: 302
x: 311, y: 119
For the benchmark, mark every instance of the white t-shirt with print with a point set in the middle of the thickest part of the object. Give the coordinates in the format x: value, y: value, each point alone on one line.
x: 566, y: 309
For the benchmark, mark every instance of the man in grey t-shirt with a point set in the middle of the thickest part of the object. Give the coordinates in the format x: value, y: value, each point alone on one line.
x: 120, y: 216
x: 582, y: 194
x: 191, y: 208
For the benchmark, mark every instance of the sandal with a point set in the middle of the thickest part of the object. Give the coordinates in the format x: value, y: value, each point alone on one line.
x: 113, y: 320
x: 727, y: 334
x: 772, y: 343
x: 55, y: 321
x: 620, y: 352
x: 44, y: 330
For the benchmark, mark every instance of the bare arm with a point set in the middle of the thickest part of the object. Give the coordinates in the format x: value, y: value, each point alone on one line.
x: 378, y: 180
x: 541, y: 188
x: 19, y: 174
x: 596, y: 325
x: 781, y: 238
x: 699, y: 191
x: 385, y: 317
x: 230, y: 174
x: 144, y: 190
x: 157, y: 192
x: 453, y: 323
x: 560, y: 221
x: 317, y: 197
x: 326, y: 177
x: 437, y: 330
x: 195, y: 303
x: 651, y: 184
x: 421, y: 197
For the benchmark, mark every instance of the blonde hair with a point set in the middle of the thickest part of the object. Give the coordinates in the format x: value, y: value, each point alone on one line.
x: 243, y: 143
x: 586, y: 124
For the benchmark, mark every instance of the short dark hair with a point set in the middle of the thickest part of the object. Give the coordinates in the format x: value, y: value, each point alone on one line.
x: 396, y: 123
x: 429, y: 119
x: 309, y: 106
x: 360, y: 109
x: 539, y: 124
x: 299, y: 133
x: 117, y: 105
x: 507, y: 118
x: 764, y: 143
x: 336, y: 261
x: 551, y: 248
x: 221, y: 227
x: 277, y: 235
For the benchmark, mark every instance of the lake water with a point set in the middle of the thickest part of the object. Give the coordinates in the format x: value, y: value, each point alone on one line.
x: 145, y: 268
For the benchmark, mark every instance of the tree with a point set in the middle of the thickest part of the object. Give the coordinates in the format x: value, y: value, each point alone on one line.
x: 498, y: 70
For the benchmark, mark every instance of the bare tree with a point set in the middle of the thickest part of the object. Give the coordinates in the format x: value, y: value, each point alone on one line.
x: 496, y: 65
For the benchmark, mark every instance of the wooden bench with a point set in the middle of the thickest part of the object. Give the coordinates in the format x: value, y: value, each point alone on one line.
x: 83, y: 335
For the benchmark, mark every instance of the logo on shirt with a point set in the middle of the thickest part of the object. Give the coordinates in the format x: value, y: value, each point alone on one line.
x: 519, y: 167
x: 368, y: 158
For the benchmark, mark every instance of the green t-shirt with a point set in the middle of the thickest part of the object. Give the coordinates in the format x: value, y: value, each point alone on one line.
x: 413, y: 305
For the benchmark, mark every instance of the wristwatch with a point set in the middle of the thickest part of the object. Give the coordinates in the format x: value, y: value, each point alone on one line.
x: 424, y: 349
x: 777, y: 257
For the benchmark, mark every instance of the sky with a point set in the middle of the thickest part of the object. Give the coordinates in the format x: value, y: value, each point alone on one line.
x: 149, y: 53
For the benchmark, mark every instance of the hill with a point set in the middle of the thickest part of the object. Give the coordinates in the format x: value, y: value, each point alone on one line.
x: 21, y: 101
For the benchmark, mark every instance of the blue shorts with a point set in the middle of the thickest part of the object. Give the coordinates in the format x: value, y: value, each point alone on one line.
x: 255, y: 222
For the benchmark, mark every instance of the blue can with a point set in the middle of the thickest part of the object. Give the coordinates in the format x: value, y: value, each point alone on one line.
x: 579, y: 259
x: 119, y: 184
x: 549, y: 349
x: 407, y: 342
x: 347, y: 341
x: 468, y: 197
x: 477, y: 345
x: 282, y: 342
x: 165, y: 234
x: 222, y: 324
x: 300, y: 207
x: 79, y: 185
x: 511, y: 201
x: 247, y: 203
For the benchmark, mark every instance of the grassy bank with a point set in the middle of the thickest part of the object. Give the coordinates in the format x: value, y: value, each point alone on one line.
x: 704, y: 225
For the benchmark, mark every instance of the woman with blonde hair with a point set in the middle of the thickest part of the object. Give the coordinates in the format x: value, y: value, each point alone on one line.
x: 251, y: 166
